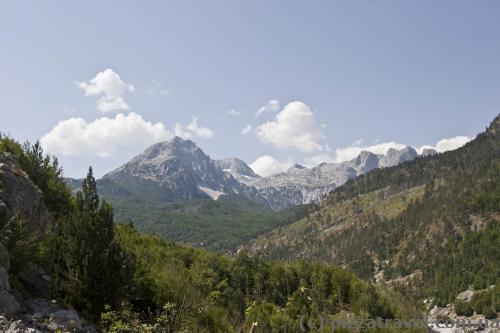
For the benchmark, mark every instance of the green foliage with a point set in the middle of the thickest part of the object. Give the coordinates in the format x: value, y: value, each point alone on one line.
x: 44, y: 171
x: 463, y: 308
x: 90, y: 269
x: 220, y: 225
x: 486, y: 302
x: 132, y: 282
x: 208, y: 292
x: 441, y: 241
x: 14, y: 236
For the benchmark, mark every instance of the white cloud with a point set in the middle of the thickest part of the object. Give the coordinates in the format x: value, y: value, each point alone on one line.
x: 247, y: 129
x: 104, y: 136
x: 234, y: 112
x: 271, y: 106
x: 293, y: 128
x: 267, y: 165
x: 193, y: 130
x: 110, y: 87
x: 157, y: 88
x: 447, y: 144
x: 357, y: 143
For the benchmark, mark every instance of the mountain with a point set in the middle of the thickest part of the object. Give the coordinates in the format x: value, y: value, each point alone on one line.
x: 60, y: 256
x: 238, y: 169
x: 180, y: 169
x: 301, y: 185
x: 430, y: 226
x: 394, y: 157
x: 175, y: 190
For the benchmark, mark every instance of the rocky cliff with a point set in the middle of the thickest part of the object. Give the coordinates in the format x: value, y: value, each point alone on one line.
x: 27, y: 307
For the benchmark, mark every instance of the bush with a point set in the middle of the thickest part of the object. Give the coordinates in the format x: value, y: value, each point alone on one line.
x: 463, y: 308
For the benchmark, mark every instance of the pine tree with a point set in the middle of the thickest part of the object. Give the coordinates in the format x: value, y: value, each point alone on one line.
x: 90, y: 268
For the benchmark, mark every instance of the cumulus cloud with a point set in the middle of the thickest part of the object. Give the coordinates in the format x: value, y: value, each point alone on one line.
x: 293, y: 128
x: 271, y: 106
x: 234, y: 112
x: 447, y: 144
x: 104, y: 136
x: 247, y: 129
x: 193, y: 129
x: 267, y: 165
x: 109, y: 87
x: 157, y: 88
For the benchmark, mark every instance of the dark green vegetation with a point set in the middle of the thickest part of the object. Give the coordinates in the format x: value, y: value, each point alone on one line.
x: 144, y: 284
x: 486, y: 302
x: 220, y: 225
x: 430, y: 226
x: 90, y: 268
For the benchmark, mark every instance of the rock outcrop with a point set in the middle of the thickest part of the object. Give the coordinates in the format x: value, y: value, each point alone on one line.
x: 23, y: 311
x: 20, y: 198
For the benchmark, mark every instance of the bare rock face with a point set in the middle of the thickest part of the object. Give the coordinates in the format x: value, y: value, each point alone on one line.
x: 8, y: 304
x: 19, y: 197
x: 4, y: 257
x: 394, y: 157
x: 177, y: 168
x: 238, y: 169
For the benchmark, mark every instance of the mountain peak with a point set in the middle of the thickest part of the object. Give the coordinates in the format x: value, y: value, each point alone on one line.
x: 238, y: 168
x: 296, y: 167
x: 394, y: 157
x: 165, y: 150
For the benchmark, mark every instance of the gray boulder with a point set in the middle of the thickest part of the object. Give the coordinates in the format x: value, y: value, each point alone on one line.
x: 20, y: 197
x: 65, y: 320
x: 4, y: 257
x: 8, y: 304
x: 4, y: 279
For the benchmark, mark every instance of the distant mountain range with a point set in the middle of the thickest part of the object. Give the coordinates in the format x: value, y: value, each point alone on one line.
x: 178, y: 170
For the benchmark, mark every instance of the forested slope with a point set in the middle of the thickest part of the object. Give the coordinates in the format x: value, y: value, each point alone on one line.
x: 429, y: 225
x: 125, y: 281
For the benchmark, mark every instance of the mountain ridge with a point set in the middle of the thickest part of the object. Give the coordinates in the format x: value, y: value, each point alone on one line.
x: 389, y: 224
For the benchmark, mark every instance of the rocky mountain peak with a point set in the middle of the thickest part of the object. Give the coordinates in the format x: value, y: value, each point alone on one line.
x: 365, y: 162
x: 394, y: 157
x: 236, y: 166
x: 174, y: 148
x: 296, y: 168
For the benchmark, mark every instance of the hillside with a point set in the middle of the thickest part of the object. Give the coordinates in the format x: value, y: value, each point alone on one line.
x: 174, y: 190
x: 220, y: 225
x: 63, y: 254
x: 427, y: 225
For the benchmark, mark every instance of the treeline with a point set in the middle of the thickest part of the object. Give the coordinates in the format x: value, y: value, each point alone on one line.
x: 126, y: 281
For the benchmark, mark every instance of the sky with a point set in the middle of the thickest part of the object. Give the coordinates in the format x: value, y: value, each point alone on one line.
x: 270, y: 82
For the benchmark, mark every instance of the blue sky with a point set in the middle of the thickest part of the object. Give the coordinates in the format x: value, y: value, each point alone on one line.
x: 361, y: 73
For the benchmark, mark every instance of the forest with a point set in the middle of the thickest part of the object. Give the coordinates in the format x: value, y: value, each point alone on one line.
x: 125, y: 281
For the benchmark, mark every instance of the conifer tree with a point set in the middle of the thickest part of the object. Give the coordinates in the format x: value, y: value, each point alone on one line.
x: 90, y: 269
